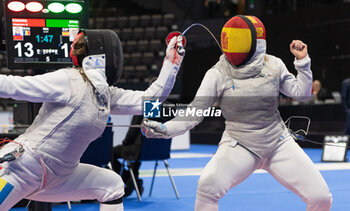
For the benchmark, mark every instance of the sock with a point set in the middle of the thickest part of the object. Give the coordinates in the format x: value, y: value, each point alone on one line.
x: 111, y: 207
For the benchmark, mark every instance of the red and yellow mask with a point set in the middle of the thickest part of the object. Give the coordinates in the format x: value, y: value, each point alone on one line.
x: 239, y: 36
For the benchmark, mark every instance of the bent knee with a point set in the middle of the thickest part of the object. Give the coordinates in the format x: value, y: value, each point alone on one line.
x: 211, y: 188
x: 114, y: 189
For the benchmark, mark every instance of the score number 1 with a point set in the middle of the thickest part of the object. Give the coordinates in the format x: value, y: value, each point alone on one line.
x: 65, y: 48
x: 29, y: 49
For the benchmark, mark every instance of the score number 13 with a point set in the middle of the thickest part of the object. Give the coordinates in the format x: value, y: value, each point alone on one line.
x: 29, y: 49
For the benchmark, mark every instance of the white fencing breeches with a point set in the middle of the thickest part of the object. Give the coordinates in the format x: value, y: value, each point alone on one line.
x: 85, y: 182
x: 288, y: 164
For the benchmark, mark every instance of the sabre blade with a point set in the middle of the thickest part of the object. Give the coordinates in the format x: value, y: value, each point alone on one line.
x: 133, y: 126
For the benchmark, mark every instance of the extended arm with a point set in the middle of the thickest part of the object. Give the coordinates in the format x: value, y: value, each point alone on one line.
x: 49, y: 87
x: 206, y: 96
x: 130, y: 102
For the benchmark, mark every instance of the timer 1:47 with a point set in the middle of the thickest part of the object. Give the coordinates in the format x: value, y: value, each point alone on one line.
x: 46, y: 38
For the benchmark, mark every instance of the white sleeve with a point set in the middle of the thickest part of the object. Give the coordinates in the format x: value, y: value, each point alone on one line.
x: 298, y: 87
x: 206, y: 96
x: 130, y: 102
x: 49, y: 87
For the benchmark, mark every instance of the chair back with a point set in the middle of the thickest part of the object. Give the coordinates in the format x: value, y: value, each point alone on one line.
x: 99, y: 151
x: 155, y: 149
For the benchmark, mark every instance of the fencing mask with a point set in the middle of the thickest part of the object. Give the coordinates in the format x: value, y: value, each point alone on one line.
x: 238, y: 38
x: 102, y: 41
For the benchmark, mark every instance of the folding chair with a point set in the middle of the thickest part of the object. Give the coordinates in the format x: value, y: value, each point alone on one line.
x: 99, y: 152
x: 122, y: 21
x: 99, y: 23
x: 128, y: 72
x: 150, y: 33
x: 138, y: 33
x: 156, y: 20
x: 111, y: 22
x: 135, y: 58
x: 133, y: 21
x: 145, y: 20
x: 161, y: 32
x: 168, y: 19
x: 130, y: 46
x: 125, y: 33
x: 141, y: 72
x: 126, y: 59
x: 155, y: 45
x: 152, y: 150
x: 147, y: 58
x: 142, y: 45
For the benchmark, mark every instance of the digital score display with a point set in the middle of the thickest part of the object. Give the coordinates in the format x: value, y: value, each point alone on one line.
x: 43, y: 40
x: 39, y: 33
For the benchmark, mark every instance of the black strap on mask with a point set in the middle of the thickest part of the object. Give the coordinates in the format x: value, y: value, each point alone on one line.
x: 253, y: 33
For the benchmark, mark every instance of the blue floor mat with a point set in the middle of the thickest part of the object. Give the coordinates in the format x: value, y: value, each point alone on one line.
x: 260, y: 192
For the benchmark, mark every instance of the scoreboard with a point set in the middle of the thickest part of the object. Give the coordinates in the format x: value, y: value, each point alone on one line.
x: 39, y: 34
x: 42, y: 40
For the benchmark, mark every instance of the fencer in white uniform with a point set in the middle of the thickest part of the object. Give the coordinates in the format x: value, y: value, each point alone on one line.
x: 76, y: 105
x: 255, y: 137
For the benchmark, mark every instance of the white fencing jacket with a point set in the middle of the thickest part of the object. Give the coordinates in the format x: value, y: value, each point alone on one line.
x: 248, y: 98
x: 71, y: 116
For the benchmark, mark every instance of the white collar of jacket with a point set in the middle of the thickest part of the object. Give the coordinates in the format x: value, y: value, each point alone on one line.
x: 96, y: 63
x: 254, y: 65
x: 95, y: 68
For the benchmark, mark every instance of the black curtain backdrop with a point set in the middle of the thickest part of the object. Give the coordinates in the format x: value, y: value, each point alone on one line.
x: 195, y: 64
x: 325, y: 29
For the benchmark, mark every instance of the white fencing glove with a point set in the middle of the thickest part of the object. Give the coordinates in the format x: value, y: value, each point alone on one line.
x: 153, y: 129
x: 175, y: 51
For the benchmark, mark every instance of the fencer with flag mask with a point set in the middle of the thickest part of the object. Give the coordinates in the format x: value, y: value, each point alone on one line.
x: 246, y: 83
x: 77, y: 102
